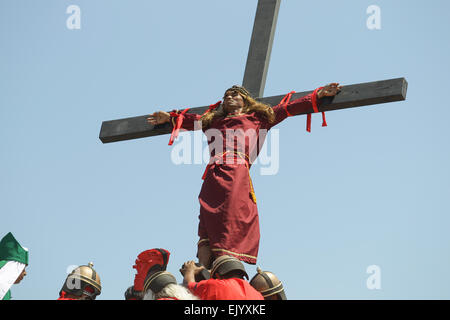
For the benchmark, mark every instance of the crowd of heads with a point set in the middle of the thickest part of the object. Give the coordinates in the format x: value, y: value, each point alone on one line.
x: 152, y: 281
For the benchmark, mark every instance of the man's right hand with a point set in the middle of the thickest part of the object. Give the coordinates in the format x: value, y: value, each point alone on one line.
x: 190, y: 270
x: 159, y: 117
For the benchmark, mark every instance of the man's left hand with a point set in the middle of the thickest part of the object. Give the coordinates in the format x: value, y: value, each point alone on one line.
x: 329, y: 90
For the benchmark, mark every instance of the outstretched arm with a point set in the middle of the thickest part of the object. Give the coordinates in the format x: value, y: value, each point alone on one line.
x: 303, y: 104
x: 160, y: 117
x: 179, y: 120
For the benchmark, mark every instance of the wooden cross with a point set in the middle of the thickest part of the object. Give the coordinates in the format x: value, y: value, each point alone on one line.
x: 355, y: 95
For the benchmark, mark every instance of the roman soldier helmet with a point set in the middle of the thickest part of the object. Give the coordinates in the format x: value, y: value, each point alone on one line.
x: 148, y: 263
x: 158, y: 280
x: 224, y: 264
x: 268, y: 285
x: 83, y: 280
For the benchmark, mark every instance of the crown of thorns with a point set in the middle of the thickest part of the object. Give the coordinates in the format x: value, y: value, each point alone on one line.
x: 239, y: 89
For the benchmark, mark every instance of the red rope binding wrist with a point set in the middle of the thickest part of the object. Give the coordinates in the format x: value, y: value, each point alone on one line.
x: 284, y: 102
x: 316, y: 109
x: 180, y: 117
x: 178, y: 123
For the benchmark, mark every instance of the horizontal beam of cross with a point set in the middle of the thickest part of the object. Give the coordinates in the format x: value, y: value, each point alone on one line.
x: 350, y: 96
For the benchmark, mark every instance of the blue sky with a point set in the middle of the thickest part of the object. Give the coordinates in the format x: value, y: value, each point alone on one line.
x: 372, y: 188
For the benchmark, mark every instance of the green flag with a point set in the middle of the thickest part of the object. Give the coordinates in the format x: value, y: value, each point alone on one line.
x: 11, y: 250
x: 13, y: 260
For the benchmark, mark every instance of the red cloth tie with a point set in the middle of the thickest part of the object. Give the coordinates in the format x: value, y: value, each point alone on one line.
x: 180, y: 117
x: 212, y: 107
x: 316, y: 109
x: 284, y: 102
x: 178, y: 123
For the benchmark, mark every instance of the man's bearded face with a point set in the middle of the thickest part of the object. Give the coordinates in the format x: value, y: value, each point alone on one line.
x: 232, y: 100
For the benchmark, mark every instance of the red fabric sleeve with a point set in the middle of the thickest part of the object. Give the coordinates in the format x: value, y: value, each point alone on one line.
x: 189, y: 120
x: 197, y: 288
x: 226, y: 289
x: 182, y: 120
x: 294, y: 107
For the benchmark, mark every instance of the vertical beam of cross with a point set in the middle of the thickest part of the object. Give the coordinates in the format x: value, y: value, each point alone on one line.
x: 261, y: 46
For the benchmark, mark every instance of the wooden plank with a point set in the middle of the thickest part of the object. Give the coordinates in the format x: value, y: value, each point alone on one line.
x: 355, y: 95
x: 261, y: 46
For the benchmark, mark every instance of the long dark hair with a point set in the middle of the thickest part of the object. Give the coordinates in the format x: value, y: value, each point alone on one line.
x: 250, y: 105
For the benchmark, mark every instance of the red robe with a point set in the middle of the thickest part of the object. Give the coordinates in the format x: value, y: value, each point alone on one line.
x: 224, y: 289
x: 228, y: 217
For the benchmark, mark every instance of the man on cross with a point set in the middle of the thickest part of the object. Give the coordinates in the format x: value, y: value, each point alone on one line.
x: 228, y: 220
